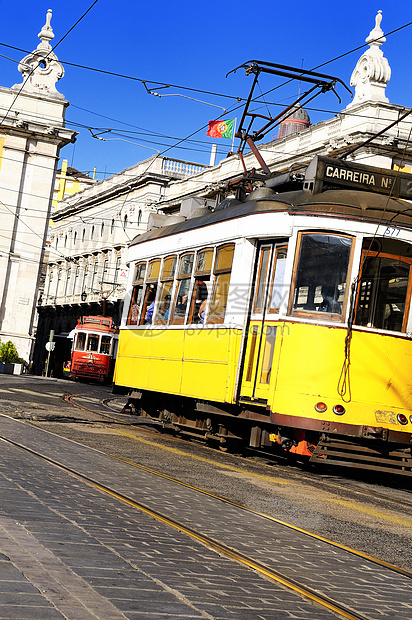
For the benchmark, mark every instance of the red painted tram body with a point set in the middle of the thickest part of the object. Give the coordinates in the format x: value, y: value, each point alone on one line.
x: 94, y: 348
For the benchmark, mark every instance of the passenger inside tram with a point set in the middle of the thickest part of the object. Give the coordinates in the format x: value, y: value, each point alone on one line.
x: 150, y: 303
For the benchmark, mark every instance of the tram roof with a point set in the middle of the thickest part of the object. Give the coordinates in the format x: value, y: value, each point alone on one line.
x: 353, y: 204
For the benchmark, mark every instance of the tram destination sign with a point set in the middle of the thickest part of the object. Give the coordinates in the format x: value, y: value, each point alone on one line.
x: 325, y: 172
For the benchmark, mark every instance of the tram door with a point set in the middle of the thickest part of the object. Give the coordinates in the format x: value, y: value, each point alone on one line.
x: 261, y: 337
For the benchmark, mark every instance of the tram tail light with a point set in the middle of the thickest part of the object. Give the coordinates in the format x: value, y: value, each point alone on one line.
x: 339, y: 409
x: 321, y: 407
x: 402, y: 419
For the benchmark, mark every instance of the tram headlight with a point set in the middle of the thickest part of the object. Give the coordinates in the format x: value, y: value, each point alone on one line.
x: 321, y: 407
x: 339, y: 409
x: 402, y: 419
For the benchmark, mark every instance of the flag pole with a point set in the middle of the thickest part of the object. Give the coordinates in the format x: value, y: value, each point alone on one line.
x: 233, y: 134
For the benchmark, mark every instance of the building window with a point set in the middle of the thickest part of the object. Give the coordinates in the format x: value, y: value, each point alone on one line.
x: 105, y: 271
x: 117, y: 269
x: 66, y: 288
x: 59, y: 277
x: 125, y: 222
x: 85, y: 273
x: 92, y: 233
x: 83, y: 234
x: 94, y: 274
x: 75, y: 238
x: 139, y: 217
x: 49, y: 283
x: 102, y: 229
x: 112, y: 227
x: 76, y: 280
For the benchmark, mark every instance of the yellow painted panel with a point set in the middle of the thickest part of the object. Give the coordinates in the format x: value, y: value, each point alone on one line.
x: 198, y: 363
x: 207, y: 344
x: 206, y: 363
x: 234, y: 360
x: 205, y: 380
x: 310, y: 364
x: 132, y: 372
x: 166, y: 343
x: 165, y: 375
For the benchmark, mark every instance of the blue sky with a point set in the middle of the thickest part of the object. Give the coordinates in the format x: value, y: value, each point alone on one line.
x: 191, y: 44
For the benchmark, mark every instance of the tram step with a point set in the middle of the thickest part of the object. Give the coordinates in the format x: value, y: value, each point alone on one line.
x: 348, y: 454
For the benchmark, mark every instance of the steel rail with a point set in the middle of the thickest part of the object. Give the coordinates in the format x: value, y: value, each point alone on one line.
x: 311, y: 478
x: 276, y: 576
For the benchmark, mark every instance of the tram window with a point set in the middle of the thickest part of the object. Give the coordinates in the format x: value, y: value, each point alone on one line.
x: 278, y: 280
x: 204, y: 262
x: 135, y: 305
x: 218, y: 301
x: 93, y: 343
x: 81, y: 341
x: 139, y: 272
x: 179, y: 310
x: 166, y: 290
x: 146, y: 318
x: 169, y: 267
x: 200, y: 294
x: 269, y: 347
x: 203, y: 268
x: 222, y: 269
x: 153, y: 270
x: 183, y: 288
x: 163, y: 310
x: 224, y: 258
x: 186, y: 265
x: 321, y: 274
x: 383, y: 291
x: 263, y: 267
x: 105, y: 345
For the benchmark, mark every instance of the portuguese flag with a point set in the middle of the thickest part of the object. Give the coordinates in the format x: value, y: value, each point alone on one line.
x: 220, y: 129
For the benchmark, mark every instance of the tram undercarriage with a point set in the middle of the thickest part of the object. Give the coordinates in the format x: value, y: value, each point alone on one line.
x: 233, y: 427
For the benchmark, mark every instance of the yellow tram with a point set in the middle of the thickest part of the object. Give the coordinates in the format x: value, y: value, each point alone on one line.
x: 281, y: 320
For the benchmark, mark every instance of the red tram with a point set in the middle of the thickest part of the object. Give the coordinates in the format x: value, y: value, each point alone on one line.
x: 94, y: 348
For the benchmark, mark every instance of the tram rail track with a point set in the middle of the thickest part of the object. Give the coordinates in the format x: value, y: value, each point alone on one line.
x: 314, y: 595
x: 342, y: 484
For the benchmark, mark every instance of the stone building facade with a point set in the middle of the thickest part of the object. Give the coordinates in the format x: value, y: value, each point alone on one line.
x: 32, y: 132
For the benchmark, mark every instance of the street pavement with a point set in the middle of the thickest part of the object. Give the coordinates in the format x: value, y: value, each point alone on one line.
x: 68, y: 550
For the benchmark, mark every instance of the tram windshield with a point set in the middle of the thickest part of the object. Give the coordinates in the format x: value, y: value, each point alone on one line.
x: 93, y: 343
x: 321, y: 274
